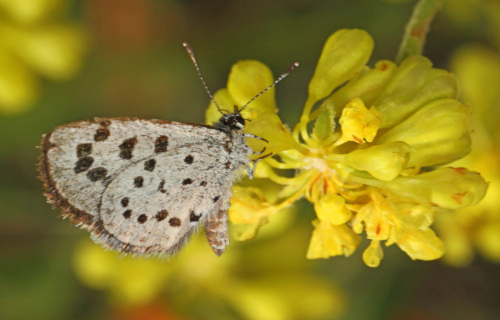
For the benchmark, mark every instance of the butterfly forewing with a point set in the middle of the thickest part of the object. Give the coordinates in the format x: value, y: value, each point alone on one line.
x: 141, y: 186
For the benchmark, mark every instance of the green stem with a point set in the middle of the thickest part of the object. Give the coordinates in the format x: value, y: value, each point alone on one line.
x: 417, y: 28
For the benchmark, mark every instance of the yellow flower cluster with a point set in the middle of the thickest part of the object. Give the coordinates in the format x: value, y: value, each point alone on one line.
x: 367, y: 151
x: 35, y: 39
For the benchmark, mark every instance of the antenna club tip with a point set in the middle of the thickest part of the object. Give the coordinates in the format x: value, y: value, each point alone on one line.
x: 296, y: 64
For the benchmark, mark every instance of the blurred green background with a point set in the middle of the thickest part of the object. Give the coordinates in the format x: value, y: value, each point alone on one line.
x: 68, y: 60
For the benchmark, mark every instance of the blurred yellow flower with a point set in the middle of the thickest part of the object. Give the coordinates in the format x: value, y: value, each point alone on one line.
x: 35, y: 39
x: 372, y: 161
x: 197, y: 280
x: 477, y: 227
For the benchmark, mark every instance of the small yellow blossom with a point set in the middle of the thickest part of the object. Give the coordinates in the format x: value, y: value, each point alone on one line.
x: 371, y: 164
x: 358, y: 123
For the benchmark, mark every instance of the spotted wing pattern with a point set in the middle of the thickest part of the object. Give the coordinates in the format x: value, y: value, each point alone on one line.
x: 143, y: 186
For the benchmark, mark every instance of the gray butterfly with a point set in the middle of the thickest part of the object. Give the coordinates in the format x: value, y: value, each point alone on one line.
x: 144, y: 186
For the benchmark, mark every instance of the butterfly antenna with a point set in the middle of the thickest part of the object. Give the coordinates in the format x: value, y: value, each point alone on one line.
x: 283, y: 76
x: 191, y: 54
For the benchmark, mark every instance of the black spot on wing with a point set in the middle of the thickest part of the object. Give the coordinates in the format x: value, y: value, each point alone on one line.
x: 127, y: 214
x: 83, y: 150
x: 101, y: 134
x: 83, y: 164
x: 142, y: 218
x: 97, y: 174
x: 127, y: 147
x: 149, y: 165
x: 138, y: 182
x: 189, y: 159
x: 125, y: 201
x: 161, y: 215
x: 161, y: 144
x: 174, y: 222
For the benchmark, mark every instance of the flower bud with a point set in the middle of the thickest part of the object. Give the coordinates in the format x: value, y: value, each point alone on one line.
x: 384, y: 162
x: 437, y: 122
x: 434, y: 154
x: 414, y: 85
x: 448, y: 188
x: 367, y: 86
x: 344, y: 54
x: 373, y: 254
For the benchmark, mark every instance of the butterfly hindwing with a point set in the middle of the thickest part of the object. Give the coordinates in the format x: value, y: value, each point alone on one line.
x: 160, y: 212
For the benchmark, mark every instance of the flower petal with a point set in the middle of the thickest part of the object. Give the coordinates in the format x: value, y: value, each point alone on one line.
x: 247, y: 79
x: 329, y: 240
x: 268, y: 126
x: 421, y: 244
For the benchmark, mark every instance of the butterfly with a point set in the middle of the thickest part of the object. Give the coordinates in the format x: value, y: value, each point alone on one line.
x: 144, y: 186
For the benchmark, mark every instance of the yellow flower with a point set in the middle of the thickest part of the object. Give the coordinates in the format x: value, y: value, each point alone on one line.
x: 35, y: 40
x: 371, y: 163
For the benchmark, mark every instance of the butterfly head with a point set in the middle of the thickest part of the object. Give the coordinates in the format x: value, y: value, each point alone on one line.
x: 233, y: 121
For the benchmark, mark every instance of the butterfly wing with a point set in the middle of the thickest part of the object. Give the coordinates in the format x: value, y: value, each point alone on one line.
x: 140, y: 186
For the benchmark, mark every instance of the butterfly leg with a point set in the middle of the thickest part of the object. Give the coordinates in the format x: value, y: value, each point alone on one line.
x: 259, y: 152
x: 251, y: 171
x: 216, y: 230
x: 249, y: 135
